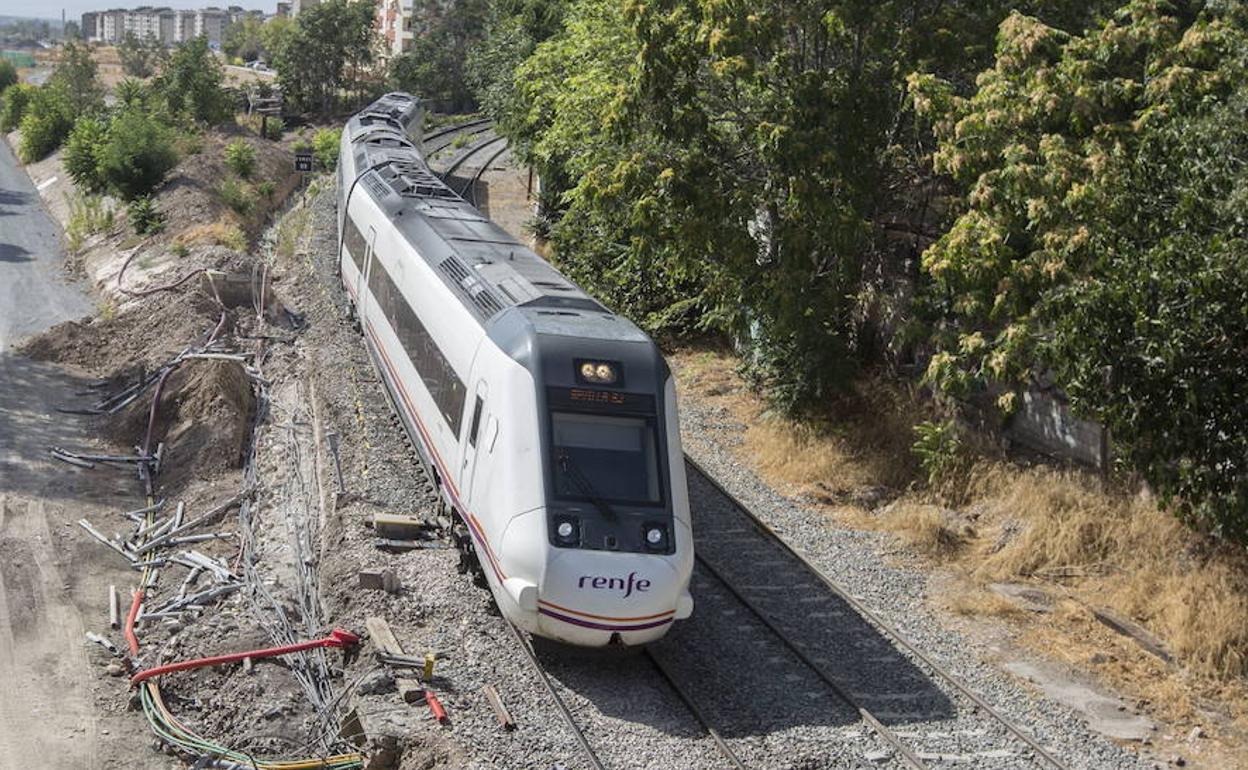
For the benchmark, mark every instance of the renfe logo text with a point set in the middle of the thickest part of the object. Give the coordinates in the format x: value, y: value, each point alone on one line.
x: 627, y: 585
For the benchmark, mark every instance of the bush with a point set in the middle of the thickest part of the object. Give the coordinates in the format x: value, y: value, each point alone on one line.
x: 144, y: 218
x: 325, y: 147
x: 46, y: 124
x: 266, y: 188
x: 939, y: 450
x: 273, y: 128
x: 238, y: 196
x: 138, y: 154
x: 241, y: 158
x: 82, y: 153
x: 87, y: 215
x: 131, y: 92
x: 8, y: 75
x: 16, y: 99
x: 191, y: 83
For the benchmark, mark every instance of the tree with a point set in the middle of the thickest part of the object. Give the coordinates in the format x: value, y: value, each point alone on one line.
x: 243, y: 39
x: 76, y: 78
x: 46, y: 122
x: 136, y: 154
x: 190, y: 84
x: 140, y: 57
x: 434, y: 66
x: 1100, y: 237
x: 8, y: 75
x: 324, y: 52
x: 15, y: 100
x: 82, y: 152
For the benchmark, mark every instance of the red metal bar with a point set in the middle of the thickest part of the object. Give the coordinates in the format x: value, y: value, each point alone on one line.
x: 435, y: 706
x: 338, y: 638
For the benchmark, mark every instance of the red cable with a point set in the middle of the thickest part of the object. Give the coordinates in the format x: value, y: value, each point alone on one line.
x: 131, y: 616
x: 337, y: 638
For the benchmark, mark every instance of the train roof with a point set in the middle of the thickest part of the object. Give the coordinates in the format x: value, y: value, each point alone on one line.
x: 487, y: 269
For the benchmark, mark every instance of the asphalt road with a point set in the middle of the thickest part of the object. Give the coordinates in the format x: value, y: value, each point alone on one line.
x: 34, y: 292
x: 51, y: 579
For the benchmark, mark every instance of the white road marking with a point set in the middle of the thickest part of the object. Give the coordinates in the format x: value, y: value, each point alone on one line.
x: 45, y: 184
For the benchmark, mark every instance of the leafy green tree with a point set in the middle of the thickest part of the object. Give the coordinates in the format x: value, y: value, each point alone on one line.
x: 46, y: 123
x: 140, y: 57
x: 191, y: 84
x: 76, y: 78
x: 434, y: 67
x: 15, y: 100
x: 324, y: 53
x: 137, y: 154
x: 8, y: 75
x: 1100, y: 237
x: 82, y: 152
x: 243, y: 39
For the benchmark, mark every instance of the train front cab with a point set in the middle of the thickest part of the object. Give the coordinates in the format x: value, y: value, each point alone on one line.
x: 606, y: 553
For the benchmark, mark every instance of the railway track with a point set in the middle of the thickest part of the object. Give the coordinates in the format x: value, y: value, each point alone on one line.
x: 470, y: 128
x: 786, y: 669
x: 464, y: 156
x: 925, y: 714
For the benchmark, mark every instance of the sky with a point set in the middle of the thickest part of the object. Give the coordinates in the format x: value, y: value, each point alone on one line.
x: 43, y: 9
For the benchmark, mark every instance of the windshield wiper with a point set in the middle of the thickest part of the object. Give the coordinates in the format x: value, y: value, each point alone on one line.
x: 573, y: 471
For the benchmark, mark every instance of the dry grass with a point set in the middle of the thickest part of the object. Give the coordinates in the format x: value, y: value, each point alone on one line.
x: 1064, y: 530
x: 1122, y: 552
x: 929, y: 529
x: 223, y: 232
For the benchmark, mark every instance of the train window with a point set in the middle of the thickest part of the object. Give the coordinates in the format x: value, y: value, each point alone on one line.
x: 476, y: 422
x: 440, y: 379
x: 354, y: 242
x: 611, y: 458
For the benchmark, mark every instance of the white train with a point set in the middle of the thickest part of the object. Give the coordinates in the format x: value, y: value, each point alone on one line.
x: 547, y: 422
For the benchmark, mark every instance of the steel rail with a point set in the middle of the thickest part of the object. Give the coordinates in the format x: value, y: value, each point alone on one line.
x: 564, y: 711
x: 871, y: 617
x: 471, y: 186
x: 453, y: 129
x: 428, y: 152
x: 890, y: 737
x: 473, y: 150
x: 666, y: 674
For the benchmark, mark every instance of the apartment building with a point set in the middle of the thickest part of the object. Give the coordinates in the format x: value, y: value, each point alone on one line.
x: 394, y: 24
x: 167, y: 25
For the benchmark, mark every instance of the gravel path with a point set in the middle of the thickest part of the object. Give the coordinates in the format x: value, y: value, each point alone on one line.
x: 926, y: 712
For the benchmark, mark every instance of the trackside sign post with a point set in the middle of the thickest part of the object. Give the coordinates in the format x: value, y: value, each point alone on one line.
x: 303, y: 165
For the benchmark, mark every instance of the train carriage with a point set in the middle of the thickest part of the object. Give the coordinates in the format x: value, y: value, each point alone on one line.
x: 548, y: 422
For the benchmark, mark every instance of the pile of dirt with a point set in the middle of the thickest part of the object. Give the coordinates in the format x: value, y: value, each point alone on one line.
x: 204, y: 418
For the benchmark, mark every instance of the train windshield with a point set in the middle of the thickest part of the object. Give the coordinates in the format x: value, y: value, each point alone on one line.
x: 605, y: 458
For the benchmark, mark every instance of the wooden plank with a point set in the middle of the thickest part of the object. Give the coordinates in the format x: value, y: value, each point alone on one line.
x: 379, y: 631
x: 500, y: 711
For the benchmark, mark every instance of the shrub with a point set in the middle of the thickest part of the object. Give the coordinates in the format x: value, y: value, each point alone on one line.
x: 325, y: 147
x: 180, y: 250
x: 45, y: 125
x: 144, y: 217
x: 138, y: 154
x: 266, y: 188
x: 131, y: 92
x: 273, y: 128
x: 939, y: 450
x: 87, y: 215
x: 82, y: 153
x: 8, y: 75
x: 241, y: 158
x: 16, y: 99
x: 238, y: 196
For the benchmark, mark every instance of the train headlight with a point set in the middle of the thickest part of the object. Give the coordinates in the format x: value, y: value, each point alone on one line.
x: 656, y: 536
x: 598, y: 372
x: 567, y: 530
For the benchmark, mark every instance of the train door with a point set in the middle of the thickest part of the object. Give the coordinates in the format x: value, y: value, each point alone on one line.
x: 362, y: 280
x: 476, y: 432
